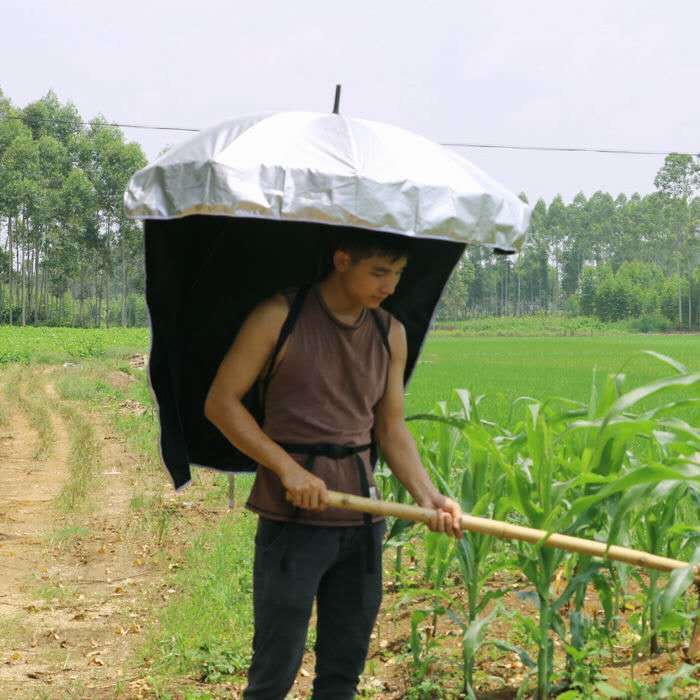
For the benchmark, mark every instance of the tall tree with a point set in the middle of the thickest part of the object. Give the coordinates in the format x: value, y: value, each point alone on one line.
x: 679, y: 180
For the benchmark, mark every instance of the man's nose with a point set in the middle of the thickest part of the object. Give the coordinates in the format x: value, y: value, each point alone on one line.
x: 388, y: 288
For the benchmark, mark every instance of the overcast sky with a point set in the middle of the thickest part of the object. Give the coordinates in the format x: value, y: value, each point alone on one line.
x: 551, y: 73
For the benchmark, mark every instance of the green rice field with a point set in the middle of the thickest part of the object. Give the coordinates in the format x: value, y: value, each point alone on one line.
x: 502, y: 368
x: 505, y: 368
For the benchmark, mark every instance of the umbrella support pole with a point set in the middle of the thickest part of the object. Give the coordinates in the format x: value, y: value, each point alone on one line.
x: 502, y: 530
x: 231, y: 489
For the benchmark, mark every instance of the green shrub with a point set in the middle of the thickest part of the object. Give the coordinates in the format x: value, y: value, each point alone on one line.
x: 650, y: 323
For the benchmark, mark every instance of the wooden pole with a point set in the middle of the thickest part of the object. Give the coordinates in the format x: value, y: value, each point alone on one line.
x: 497, y: 528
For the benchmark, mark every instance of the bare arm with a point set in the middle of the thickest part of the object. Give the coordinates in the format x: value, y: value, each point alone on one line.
x: 241, y: 366
x: 398, y: 446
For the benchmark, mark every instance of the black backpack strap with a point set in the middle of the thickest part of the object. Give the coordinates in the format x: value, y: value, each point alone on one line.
x: 383, y: 330
x: 384, y: 333
x: 285, y: 332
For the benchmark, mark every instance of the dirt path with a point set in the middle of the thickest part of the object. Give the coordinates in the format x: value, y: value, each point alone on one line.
x: 72, y: 601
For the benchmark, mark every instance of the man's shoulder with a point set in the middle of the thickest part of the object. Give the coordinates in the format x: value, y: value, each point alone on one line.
x: 386, y: 317
x: 270, y: 313
x: 396, y: 330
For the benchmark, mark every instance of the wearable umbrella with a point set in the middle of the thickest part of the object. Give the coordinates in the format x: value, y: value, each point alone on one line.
x: 245, y: 208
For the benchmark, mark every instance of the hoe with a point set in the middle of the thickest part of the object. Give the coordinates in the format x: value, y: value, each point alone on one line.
x: 497, y: 528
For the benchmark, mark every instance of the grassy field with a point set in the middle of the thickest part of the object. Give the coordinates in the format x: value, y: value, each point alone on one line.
x: 505, y: 368
x: 46, y: 345
x: 499, y: 366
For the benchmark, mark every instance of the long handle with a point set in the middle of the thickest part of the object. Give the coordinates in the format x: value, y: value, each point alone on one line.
x: 497, y: 528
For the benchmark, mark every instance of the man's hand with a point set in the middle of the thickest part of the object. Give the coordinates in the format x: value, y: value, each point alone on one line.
x: 305, y: 490
x: 448, y: 516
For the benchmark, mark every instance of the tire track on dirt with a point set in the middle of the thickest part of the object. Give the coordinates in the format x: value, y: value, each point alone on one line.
x: 71, y: 606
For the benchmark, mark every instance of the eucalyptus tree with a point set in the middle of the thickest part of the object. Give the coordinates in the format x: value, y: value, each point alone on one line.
x: 61, y: 222
x: 577, y: 249
x: 12, y: 133
x: 679, y: 180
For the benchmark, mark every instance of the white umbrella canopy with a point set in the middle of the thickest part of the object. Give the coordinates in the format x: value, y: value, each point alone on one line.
x: 252, y: 206
x: 330, y: 169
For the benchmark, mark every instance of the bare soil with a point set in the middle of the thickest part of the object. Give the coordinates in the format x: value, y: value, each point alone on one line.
x: 71, y: 607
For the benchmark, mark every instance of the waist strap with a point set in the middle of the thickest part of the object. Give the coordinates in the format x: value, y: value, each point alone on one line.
x: 334, y: 451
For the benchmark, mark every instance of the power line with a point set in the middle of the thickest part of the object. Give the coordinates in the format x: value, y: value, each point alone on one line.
x: 453, y: 144
x: 577, y: 149
x: 80, y: 122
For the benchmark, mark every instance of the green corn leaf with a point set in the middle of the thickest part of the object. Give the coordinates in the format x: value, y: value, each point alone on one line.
x: 605, y: 595
x: 456, y: 618
x: 669, y: 408
x: 593, y: 400
x: 557, y: 624
x: 681, y: 529
x: 612, y: 439
x: 643, y: 475
x: 502, y: 507
x: 679, y: 582
x: 466, y: 495
x: 563, y: 399
x: 488, y: 597
x: 415, y: 640
x: 609, y: 691
x: 426, y: 594
x: 632, y: 397
x: 665, y: 685
x: 680, y: 368
x: 672, y: 621
x: 611, y: 391
x: 398, y: 528
x: 681, y: 428
x: 524, y: 657
x: 465, y: 398
x: 631, y: 498
x: 519, y: 399
x: 522, y: 497
x: 465, y: 557
x: 432, y: 418
x: 474, y: 633
x: 579, y: 580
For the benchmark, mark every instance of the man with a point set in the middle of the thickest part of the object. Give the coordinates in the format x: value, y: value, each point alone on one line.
x: 331, y: 388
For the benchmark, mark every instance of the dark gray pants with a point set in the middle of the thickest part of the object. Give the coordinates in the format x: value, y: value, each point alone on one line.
x: 326, y: 563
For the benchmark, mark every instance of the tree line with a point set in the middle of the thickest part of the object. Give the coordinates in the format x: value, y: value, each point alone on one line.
x: 69, y: 255
x: 614, y: 258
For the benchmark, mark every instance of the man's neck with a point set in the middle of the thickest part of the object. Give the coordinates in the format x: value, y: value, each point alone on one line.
x: 338, y: 301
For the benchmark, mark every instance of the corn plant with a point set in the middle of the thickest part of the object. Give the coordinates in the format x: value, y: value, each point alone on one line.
x: 604, y: 470
x: 458, y: 439
x: 398, y: 531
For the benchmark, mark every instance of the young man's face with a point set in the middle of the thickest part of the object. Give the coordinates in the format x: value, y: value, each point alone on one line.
x: 369, y: 280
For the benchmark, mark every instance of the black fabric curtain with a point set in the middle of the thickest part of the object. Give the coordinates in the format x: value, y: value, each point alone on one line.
x: 204, y: 274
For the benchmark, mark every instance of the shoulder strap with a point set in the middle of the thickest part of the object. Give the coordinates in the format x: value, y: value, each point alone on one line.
x: 285, y: 331
x: 383, y: 330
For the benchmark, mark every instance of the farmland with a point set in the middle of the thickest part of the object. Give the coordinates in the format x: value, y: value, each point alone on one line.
x: 140, y: 592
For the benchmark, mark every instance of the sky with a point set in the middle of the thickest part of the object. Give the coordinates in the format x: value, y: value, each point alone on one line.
x: 623, y: 74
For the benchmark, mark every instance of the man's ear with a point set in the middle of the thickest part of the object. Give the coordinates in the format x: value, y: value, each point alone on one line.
x: 341, y: 260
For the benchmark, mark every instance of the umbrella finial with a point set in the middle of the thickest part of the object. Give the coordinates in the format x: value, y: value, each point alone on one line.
x: 336, y: 104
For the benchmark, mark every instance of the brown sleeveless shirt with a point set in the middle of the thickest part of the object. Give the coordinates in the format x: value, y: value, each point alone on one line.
x: 324, y: 389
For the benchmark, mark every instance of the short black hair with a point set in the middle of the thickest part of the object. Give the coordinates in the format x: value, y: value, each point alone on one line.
x: 361, y: 243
